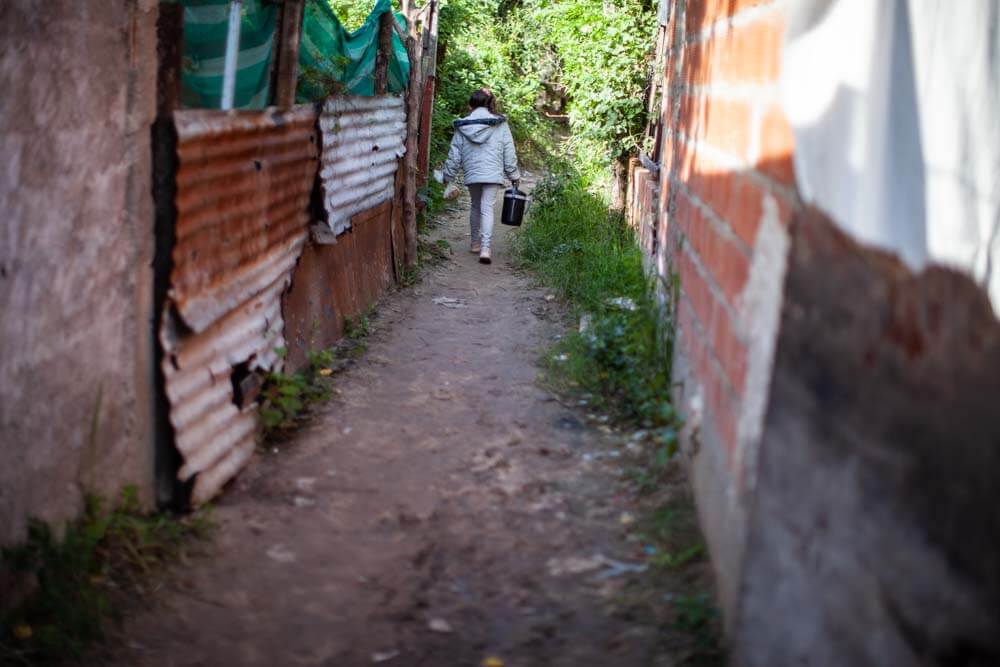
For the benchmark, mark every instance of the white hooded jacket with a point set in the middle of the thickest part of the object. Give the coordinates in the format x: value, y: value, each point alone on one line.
x: 483, y: 148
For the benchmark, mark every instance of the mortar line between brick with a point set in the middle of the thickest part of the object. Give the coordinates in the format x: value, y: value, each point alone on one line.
x: 713, y: 360
x: 721, y: 225
x: 727, y: 160
x: 717, y: 294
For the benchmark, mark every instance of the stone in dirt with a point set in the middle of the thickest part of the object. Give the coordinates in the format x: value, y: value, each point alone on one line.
x: 439, y: 625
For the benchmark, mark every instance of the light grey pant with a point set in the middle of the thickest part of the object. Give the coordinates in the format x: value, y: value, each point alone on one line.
x: 483, y: 196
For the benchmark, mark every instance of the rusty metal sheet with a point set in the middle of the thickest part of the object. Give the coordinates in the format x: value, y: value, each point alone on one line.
x: 362, y: 143
x: 243, y: 186
x: 332, y: 282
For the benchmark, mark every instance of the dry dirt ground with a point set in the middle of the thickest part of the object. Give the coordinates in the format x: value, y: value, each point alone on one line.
x: 442, y: 510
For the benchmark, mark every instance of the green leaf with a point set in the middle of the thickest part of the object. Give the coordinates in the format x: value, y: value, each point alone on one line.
x: 272, y: 418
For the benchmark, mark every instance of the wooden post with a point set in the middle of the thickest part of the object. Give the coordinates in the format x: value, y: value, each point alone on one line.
x: 169, y: 52
x: 428, y: 66
x: 424, y: 133
x: 410, y: 159
x: 287, y: 51
x: 384, y: 51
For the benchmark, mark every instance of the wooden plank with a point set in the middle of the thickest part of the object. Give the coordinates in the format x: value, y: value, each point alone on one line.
x: 169, y: 52
x: 289, y: 40
x: 413, y: 94
x: 384, y: 49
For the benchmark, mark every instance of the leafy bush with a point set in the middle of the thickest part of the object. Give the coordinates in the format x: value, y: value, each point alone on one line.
x: 593, y: 53
x: 352, y: 13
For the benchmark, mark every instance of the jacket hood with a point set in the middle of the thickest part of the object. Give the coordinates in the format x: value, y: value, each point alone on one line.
x: 478, y: 125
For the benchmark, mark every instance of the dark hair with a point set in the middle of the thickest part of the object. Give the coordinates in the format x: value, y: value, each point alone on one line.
x: 483, y: 98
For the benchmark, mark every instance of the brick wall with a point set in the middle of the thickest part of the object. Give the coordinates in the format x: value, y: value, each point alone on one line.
x: 832, y: 399
x: 726, y: 195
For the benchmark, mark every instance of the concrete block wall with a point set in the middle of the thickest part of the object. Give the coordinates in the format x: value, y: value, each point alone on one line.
x: 726, y: 200
x: 76, y: 246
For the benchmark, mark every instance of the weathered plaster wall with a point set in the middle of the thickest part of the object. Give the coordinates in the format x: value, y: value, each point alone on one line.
x: 78, y: 80
x: 874, y: 538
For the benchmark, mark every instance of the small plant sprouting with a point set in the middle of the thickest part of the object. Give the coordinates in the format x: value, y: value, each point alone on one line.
x: 672, y: 561
x: 359, y: 327
x: 286, y: 395
x: 696, y: 614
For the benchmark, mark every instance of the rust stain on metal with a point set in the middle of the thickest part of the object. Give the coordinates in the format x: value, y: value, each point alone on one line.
x: 332, y: 282
x: 243, y: 187
x: 362, y: 143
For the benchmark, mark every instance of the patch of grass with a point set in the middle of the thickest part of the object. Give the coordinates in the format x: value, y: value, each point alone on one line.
x: 619, y: 359
x: 622, y: 353
x: 287, y: 397
x: 432, y: 253
x: 429, y: 253
x: 82, y: 579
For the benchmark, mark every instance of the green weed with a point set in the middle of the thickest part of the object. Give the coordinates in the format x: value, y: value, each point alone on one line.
x: 622, y: 353
x: 672, y: 561
x: 697, y: 615
x: 286, y: 396
x: 429, y: 253
x: 359, y: 327
x: 82, y: 578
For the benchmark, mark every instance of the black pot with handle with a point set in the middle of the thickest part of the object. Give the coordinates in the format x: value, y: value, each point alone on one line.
x: 515, y: 203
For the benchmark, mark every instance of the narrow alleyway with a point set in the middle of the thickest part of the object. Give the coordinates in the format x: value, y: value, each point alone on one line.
x: 441, y: 510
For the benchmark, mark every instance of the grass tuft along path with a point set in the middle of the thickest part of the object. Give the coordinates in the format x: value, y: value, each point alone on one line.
x: 441, y: 510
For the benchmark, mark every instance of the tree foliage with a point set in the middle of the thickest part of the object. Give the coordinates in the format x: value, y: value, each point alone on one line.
x: 585, y: 59
x: 352, y: 13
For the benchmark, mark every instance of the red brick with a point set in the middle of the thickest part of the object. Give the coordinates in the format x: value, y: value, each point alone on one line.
x: 724, y: 124
x: 733, y: 196
x: 746, y: 54
x: 697, y: 291
x: 694, y: 343
x: 777, y: 144
x: 721, y: 408
x: 727, y: 263
x: 703, y: 13
x: 729, y: 350
x: 667, y: 148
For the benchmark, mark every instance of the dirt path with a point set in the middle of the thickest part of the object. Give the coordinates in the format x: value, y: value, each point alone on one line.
x: 442, y: 509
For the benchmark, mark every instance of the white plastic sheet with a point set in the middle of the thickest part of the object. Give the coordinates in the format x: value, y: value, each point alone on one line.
x: 894, y: 105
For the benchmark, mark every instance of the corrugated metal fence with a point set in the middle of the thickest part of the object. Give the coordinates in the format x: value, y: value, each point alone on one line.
x: 362, y: 143
x: 243, y: 187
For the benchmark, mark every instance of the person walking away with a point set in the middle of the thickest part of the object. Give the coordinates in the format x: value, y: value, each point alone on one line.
x: 483, y: 148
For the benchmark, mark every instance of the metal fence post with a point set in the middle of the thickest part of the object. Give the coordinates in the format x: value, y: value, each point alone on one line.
x: 232, y: 53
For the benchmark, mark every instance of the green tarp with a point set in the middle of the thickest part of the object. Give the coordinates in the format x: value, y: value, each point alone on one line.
x: 206, y: 23
x: 330, y: 58
x: 334, y: 60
